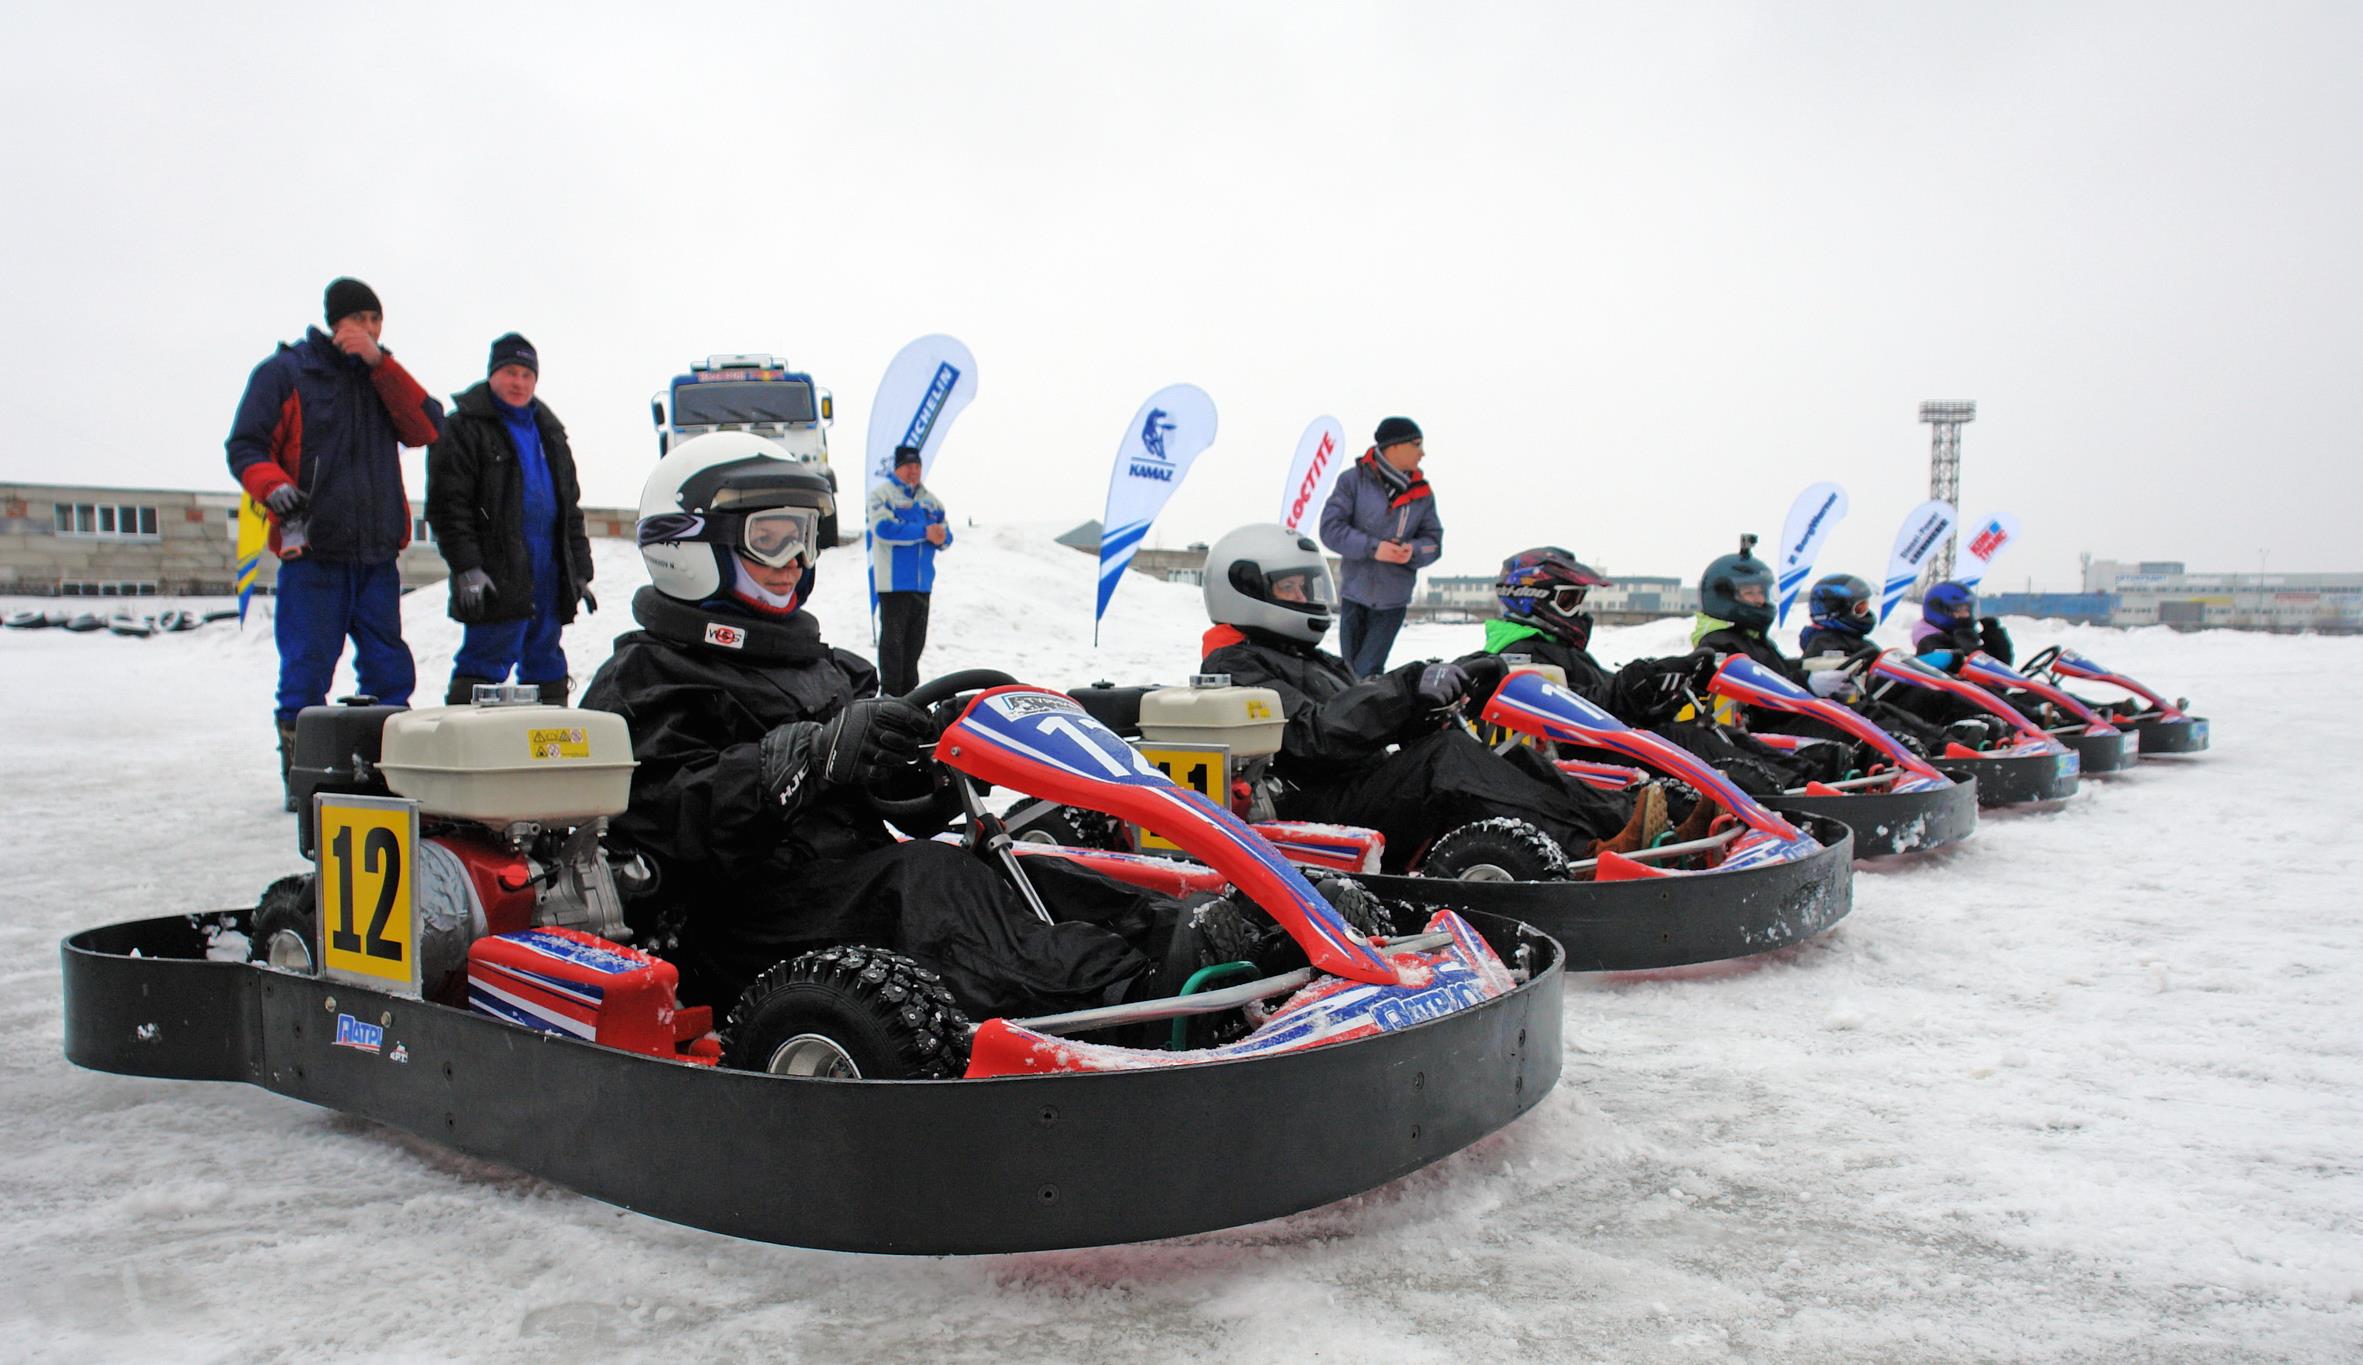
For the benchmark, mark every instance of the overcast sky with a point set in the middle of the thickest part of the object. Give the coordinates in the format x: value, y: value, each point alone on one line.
x: 1641, y: 272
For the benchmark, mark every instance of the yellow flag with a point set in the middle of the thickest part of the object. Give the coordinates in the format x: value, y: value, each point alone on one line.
x: 254, y: 541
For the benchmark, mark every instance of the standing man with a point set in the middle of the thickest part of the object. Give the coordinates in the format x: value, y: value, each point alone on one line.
x: 317, y: 442
x: 906, y: 531
x: 1381, y: 520
x: 507, y: 512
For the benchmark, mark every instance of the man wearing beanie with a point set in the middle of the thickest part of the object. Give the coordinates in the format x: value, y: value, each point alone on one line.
x: 317, y: 443
x: 507, y: 513
x: 1381, y: 520
x: 906, y: 531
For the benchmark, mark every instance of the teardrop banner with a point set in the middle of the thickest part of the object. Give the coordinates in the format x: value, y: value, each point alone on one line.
x: 1168, y: 433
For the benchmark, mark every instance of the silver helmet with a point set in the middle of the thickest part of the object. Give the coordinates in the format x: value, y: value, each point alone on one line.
x: 1267, y: 577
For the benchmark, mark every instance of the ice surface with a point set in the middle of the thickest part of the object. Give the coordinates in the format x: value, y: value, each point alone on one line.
x: 2083, y: 1088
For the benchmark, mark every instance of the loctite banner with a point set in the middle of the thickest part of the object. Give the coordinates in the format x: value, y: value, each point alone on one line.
x: 1983, y: 543
x: 1816, y: 512
x: 1925, y: 528
x: 1320, y: 454
x: 1166, y: 435
x: 926, y: 385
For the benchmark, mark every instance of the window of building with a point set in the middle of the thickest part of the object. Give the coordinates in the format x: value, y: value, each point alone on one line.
x: 119, y: 521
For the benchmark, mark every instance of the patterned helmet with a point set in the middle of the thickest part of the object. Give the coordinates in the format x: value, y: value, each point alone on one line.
x: 1545, y: 587
x: 1842, y: 602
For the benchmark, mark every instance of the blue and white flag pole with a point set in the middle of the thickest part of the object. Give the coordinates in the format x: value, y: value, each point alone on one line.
x: 1167, y: 434
x: 1982, y: 544
x: 1816, y: 512
x: 926, y: 385
x: 1924, y: 528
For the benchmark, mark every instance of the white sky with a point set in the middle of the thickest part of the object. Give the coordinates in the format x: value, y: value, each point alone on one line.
x: 1641, y: 272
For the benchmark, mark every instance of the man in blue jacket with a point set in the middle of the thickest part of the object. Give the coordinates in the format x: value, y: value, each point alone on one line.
x: 317, y: 442
x: 1381, y: 520
x: 906, y: 532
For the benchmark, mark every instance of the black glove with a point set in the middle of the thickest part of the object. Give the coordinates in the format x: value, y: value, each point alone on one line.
x: 590, y: 603
x: 287, y: 502
x: 1485, y: 669
x: 869, y: 737
x: 1993, y: 639
x: 470, y: 589
x: 1703, y: 664
x: 1442, y: 684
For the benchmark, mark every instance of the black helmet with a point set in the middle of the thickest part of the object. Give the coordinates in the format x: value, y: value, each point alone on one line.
x: 1545, y: 587
x: 1841, y: 602
x: 1738, y: 588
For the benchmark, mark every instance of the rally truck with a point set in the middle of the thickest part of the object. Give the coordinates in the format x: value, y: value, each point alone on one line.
x: 755, y: 393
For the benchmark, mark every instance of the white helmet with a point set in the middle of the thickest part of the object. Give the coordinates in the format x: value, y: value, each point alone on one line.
x: 694, y: 513
x: 1267, y: 577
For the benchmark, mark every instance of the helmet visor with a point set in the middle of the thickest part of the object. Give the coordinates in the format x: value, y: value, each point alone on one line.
x: 1750, y: 594
x: 1300, y: 588
x: 777, y: 535
x: 1567, y: 597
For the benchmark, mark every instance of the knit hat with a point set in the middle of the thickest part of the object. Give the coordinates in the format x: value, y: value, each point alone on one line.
x: 904, y: 455
x: 512, y: 349
x: 1395, y: 431
x: 347, y: 296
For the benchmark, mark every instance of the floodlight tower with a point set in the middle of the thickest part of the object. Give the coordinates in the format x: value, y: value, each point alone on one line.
x: 1946, y: 419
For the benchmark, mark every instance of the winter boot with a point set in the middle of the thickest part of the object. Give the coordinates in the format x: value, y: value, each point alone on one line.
x: 1701, y: 821
x: 463, y: 689
x: 286, y: 759
x: 1641, y: 830
x: 556, y: 691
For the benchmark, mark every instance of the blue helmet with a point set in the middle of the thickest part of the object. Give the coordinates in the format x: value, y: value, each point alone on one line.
x: 1545, y: 588
x: 1841, y: 602
x: 1948, y: 605
x: 1738, y: 588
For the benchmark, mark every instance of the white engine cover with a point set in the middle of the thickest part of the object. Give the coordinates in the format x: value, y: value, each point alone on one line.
x: 552, y: 764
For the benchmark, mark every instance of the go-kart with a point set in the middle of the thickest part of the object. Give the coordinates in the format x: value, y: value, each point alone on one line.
x: 2161, y: 727
x: 455, y: 968
x: 1897, y: 803
x: 1753, y: 881
x: 2025, y: 766
x: 2101, y: 748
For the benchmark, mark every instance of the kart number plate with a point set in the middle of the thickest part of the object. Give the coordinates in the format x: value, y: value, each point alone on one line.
x: 366, y: 902
x: 1203, y: 768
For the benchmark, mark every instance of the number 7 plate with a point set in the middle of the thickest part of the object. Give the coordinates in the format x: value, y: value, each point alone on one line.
x: 368, y: 853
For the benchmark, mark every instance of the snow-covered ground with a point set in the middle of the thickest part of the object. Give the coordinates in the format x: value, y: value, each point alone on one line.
x: 2084, y: 1088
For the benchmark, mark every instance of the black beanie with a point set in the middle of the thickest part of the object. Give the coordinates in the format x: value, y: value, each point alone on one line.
x: 1395, y: 431
x: 904, y: 455
x: 347, y: 296
x: 512, y: 349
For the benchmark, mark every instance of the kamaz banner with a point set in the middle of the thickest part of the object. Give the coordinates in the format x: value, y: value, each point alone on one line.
x: 1925, y: 528
x: 1982, y: 544
x: 1319, y: 456
x: 1816, y: 512
x: 926, y: 385
x: 1166, y: 435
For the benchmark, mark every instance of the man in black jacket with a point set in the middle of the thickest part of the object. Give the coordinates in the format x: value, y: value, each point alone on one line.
x: 1269, y: 595
x: 755, y: 740
x: 507, y: 512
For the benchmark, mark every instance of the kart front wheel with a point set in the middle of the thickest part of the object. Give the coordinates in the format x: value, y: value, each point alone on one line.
x: 281, y: 931
x: 1500, y: 850
x: 848, y: 1014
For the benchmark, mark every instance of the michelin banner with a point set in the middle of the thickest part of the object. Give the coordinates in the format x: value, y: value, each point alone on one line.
x: 1925, y: 528
x: 1816, y: 512
x: 1311, y: 473
x: 1166, y: 435
x: 926, y: 385
x: 1984, y: 543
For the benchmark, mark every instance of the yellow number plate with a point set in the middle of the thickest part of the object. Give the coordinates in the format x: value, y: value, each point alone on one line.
x: 1203, y: 768
x: 368, y: 848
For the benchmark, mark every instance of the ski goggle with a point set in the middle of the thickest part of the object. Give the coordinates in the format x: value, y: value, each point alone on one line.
x: 1568, y: 596
x: 778, y: 535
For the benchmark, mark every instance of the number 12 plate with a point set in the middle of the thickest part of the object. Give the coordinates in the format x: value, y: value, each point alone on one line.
x: 368, y: 850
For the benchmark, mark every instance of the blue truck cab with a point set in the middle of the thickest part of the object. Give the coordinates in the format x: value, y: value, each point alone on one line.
x: 755, y: 393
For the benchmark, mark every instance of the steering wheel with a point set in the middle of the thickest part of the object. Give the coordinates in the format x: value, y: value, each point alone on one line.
x: 2042, y: 656
x: 934, y: 807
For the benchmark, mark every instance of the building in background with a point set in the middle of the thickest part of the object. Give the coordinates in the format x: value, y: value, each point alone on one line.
x: 81, y: 540
x: 2162, y: 592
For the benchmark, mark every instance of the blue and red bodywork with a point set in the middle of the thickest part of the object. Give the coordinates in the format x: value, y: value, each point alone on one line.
x: 2027, y: 739
x: 2072, y: 665
x: 1749, y: 683
x: 1988, y: 671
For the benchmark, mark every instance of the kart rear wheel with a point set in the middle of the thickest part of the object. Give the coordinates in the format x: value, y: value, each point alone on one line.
x: 281, y: 931
x: 1498, y: 850
x: 848, y: 1014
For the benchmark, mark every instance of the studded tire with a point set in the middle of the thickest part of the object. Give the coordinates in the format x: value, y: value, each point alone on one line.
x: 1497, y: 850
x: 283, y: 930
x: 848, y: 1013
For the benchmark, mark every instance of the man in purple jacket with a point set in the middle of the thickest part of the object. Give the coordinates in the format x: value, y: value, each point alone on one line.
x: 1381, y: 520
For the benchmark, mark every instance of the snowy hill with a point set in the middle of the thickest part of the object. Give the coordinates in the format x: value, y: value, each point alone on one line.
x: 2083, y: 1088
